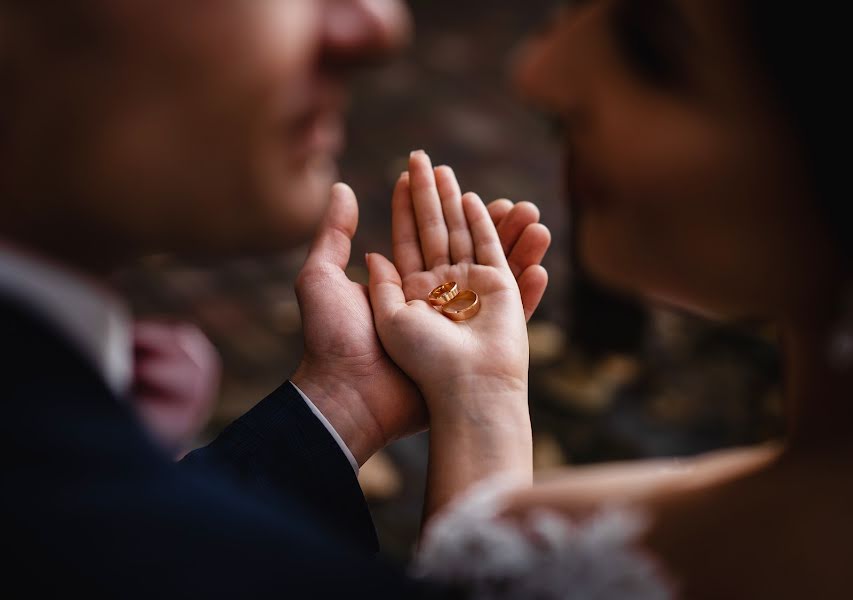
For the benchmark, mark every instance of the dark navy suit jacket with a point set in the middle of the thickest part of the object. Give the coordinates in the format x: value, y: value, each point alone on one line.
x: 90, y: 504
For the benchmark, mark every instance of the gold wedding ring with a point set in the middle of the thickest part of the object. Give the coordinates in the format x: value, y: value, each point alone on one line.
x: 443, y: 294
x: 464, y: 305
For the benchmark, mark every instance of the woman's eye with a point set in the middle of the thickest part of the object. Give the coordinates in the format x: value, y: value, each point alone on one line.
x: 653, y: 38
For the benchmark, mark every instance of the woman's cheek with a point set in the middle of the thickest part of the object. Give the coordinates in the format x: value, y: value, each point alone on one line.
x: 634, y: 242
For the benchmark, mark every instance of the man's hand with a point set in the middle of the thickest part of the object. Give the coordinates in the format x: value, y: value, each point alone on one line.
x: 345, y: 370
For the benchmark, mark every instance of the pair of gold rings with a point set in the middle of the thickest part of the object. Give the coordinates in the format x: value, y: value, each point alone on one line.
x: 453, y: 304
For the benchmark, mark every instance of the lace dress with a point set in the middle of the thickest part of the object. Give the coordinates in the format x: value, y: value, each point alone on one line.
x: 546, y: 557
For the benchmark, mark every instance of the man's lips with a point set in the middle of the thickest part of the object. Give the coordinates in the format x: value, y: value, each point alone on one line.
x: 318, y: 134
x: 313, y: 119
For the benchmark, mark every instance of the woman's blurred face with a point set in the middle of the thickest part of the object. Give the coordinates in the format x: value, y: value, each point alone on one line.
x: 685, y: 182
x: 199, y: 126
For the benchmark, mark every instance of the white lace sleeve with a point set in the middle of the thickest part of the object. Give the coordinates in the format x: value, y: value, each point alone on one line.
x: 547, y: 557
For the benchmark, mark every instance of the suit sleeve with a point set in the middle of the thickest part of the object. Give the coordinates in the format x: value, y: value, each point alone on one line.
x: 281, y: 448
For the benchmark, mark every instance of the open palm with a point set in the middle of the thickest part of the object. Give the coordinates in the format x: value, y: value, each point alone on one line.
x: 441, y: 236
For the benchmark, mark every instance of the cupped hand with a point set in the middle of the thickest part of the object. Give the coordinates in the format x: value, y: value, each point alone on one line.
x: 345, y: 371
x: 430, y: 229
x: 440, y: 236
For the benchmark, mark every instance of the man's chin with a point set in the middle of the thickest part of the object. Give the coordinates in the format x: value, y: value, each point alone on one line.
x: 285, y: 215
x: 302, y: 205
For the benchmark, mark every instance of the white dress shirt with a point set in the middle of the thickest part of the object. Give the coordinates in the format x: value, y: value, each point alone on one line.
x: 94, y: 319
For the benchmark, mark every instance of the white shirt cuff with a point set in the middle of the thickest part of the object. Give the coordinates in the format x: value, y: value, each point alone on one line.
x: 329, y: 427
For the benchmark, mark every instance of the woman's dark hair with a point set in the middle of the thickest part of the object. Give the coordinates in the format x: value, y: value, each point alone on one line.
x: 803, y: 48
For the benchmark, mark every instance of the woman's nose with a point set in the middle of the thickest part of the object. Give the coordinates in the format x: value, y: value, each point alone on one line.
x: 356, y: 31
x: 530, y: 75
x: 551, y: 70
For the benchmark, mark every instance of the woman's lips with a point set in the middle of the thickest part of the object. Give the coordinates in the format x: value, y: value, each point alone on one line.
x: 584, y: 187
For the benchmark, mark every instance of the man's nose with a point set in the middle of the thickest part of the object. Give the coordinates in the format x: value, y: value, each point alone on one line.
x: 359, y: 31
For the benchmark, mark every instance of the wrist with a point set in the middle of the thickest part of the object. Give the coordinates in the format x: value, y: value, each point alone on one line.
x: 471, y: 445
x: 492, y: 417
x: 478, y: 400
x: 345, y: 410
x: 496, y: 426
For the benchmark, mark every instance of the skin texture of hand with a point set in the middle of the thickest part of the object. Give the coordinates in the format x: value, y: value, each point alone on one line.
x: 430, y: 229
x: 473, y: 374
x: 440, y: 236
x: 177, y: 372
x: 345, y: 370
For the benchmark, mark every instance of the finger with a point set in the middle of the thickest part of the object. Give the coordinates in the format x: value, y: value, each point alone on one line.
x: 333, y: 242
x: 404, y: 230
x: 461, y: 244
x: 531, y: 248
x: 432, y: 229
x: 532, y: 284
x: 499, y: 209
x: 513, y: 225
x: 385, y: 287
x: 487, y: 245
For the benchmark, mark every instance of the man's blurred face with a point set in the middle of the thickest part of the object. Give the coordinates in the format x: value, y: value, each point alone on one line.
x: 193, y: 126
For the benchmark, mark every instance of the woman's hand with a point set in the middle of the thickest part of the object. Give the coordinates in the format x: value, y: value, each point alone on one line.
x: 440, y: 236
x: 472, y: 374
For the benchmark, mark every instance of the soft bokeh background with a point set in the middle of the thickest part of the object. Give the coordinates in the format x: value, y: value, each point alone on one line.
x: 609, y: 380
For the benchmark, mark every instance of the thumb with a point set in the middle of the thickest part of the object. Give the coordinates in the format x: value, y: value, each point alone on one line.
x: 386, y: 287
x: 333, y: 242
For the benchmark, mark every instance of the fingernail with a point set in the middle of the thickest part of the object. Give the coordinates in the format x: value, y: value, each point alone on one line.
x: 367, y: 258
x: 404, y: 175
x: 416, y: 153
